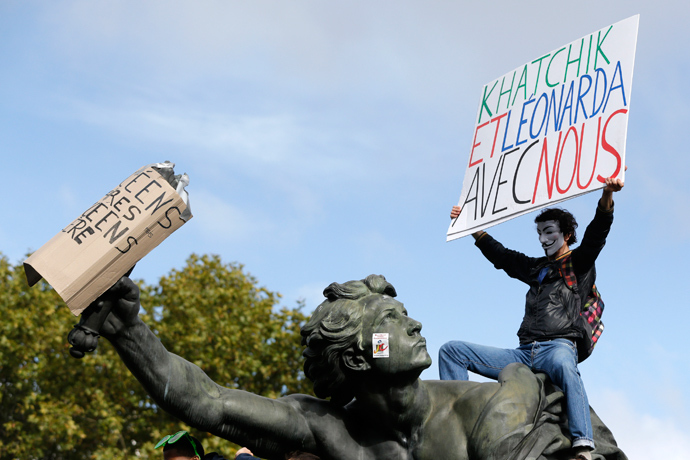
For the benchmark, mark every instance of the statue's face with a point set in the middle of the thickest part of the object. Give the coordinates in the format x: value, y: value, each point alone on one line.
x: 406, y: 347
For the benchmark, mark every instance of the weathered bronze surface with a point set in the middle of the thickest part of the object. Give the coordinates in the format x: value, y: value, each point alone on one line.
x: 377, y: 408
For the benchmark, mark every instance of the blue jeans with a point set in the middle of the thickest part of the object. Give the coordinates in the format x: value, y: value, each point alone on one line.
x: 556, y: 358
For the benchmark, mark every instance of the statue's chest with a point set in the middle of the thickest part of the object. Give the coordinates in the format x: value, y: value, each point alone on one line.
x: 441, y: 442
x: 370, y: 443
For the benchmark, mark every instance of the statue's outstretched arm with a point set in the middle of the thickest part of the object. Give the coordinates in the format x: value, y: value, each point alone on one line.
x: 184, y: 390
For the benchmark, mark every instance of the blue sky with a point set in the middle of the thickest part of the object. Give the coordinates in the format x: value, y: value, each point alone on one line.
x: 326, y: 141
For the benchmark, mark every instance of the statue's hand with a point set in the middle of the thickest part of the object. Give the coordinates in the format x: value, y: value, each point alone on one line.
x: 122, y: 303
x: 109, y: 315
x: 125, y: 309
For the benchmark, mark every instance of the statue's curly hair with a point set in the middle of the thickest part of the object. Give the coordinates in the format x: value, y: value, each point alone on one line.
x: 334, y: 327
x: 566, y: 222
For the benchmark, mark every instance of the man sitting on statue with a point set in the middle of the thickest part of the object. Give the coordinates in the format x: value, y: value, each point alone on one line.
x: 552, y: 327
x: 378, y: 409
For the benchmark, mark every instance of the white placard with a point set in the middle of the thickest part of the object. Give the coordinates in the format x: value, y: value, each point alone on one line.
x: 550, y: 130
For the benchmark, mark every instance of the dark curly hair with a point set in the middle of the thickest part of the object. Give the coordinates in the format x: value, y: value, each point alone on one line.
x: 334, y: 327
x: 566, y: 222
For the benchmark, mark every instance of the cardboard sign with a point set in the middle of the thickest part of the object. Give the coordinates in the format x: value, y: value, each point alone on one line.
x: 550, y: 130
x: 89, y: 255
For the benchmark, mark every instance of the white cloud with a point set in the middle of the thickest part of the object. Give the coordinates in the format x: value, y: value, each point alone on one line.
x: 262, y: 144
x: 641, y: 435
x: 311, y: 294
x: 218, y: 220
x: 664, y: 197
x: 415, y: 53
x: 263, y: 139
x: 68, y: 199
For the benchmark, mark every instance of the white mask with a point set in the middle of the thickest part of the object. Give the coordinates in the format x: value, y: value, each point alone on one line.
x: 550, y: 236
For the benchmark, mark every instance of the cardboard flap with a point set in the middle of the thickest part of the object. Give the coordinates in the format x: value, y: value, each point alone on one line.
x: 32, y: 276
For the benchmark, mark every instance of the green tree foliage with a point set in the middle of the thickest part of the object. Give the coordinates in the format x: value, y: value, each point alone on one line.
x: 53, y: 406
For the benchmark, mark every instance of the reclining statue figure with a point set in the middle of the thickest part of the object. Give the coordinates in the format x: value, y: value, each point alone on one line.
x: 367, y: 408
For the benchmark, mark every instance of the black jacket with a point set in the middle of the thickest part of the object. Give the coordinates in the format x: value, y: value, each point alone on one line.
x: 552, y: 310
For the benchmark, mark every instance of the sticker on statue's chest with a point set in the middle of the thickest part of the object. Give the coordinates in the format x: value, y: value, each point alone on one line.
x: 379, y: 343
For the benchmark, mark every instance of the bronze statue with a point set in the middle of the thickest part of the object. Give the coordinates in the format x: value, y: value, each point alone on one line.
x: 378, y: 407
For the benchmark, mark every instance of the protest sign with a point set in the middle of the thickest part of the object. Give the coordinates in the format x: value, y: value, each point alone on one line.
x: 89, y: 255
x: 550, y: 130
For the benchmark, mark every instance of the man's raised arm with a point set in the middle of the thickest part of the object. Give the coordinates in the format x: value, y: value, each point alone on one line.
x: 184, y: 390
x: 612, y: 185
